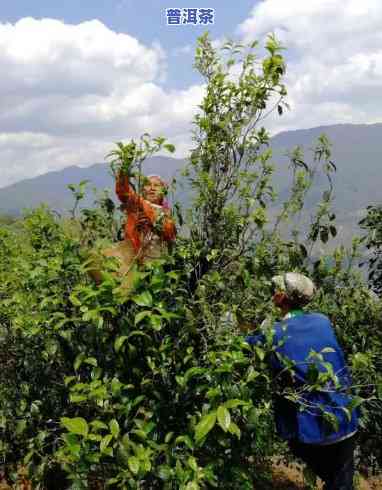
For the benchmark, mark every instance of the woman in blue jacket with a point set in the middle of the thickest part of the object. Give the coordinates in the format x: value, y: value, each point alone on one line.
x: 325, y: 443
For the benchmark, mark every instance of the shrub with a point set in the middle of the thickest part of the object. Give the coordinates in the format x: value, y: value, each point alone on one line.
x: 156, y: 388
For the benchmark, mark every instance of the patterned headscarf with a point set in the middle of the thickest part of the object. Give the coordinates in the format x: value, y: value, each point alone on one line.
x: 298, y: 288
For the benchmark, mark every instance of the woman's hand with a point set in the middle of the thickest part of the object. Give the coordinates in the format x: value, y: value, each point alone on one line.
x: 245, y: 327
x: 143, y: 222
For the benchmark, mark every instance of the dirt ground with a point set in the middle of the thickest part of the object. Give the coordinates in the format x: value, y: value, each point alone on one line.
x: 291, y: 478
x: 284, y: 478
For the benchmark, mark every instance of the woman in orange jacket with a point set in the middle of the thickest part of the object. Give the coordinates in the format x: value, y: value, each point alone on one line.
x: 149, y: 226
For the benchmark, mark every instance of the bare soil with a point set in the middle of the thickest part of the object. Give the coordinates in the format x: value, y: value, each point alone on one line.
x: 285, y: 477
x: 291, y: 478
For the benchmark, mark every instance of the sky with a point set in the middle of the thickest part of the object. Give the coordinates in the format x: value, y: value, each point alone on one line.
x: 76, y: 76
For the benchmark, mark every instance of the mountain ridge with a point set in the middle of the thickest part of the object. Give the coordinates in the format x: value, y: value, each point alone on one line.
x: 356, y: 150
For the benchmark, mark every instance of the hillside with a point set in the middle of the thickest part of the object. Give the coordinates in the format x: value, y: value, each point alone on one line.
x: 51, y: 188
x: 356, y: 152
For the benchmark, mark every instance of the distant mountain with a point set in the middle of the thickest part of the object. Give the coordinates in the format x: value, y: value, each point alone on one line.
x: 357, y: 152
x: 51, y: 188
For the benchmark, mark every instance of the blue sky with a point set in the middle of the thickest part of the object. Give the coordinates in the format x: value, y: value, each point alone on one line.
x: 78, y: 75
x: 144, y: 20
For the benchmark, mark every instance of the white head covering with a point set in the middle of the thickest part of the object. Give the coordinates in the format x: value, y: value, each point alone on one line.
x: 298, y: 288
x: 152, y: 176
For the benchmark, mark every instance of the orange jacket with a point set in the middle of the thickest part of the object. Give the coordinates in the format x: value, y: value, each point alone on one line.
x: 137, y: 208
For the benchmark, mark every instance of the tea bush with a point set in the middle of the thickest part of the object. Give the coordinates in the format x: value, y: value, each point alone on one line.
x: 156, y: 388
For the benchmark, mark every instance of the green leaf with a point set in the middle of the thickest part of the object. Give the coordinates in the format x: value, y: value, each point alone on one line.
x: 303, y: 250
x: 187, y: 441
x: 75, y: 449
x: 326, y: 195
x: 260, y: 353
x: 78, y: 361
x: 355, y: 402
x: 21, y: 426
x: 133, y: 464
x: 234, y: 429
x: 361, y: 361
x: 324, y: 235
x: 169, y: 147
x: 95, y: 437
x: 114, y: 428
x: 156, y: 322
x: 77, y: 398
x: 234, y: 403
x: 327, y: 350
x: 91, y: 360
x: 224, y: 417
x: 164, y: 472
x: 74, y: 300
x: 148, y: 427
x: 119, y: 341
x: 105, y: 443
x: 252, y: 376
x: 97, y: 424
x: 140, y: 316
x: 115, y: 386
x: 192, y: 485
x: 168, y: 437
x: 333, y: 231
x: 140, y: 433
x: 77, y: 425
x: 192, y: 463
x: 138, y: 333
x: 143, y: 299
x: 332, y: 420
x: 194, y: 371
x: 112, y: 481
x: 69, y: 379
x: 205, y: 425
x: 28, y: 457
x: 347, y: 413
x: 180, y: 380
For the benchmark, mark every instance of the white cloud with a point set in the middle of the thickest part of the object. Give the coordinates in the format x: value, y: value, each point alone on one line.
x: 67, y: 92
x: 187, y: 49
x: 334, y: 58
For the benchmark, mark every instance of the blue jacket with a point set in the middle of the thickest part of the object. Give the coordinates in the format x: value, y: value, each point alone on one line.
x: 294, y: 338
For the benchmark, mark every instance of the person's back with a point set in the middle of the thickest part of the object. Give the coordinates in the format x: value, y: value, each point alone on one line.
x: 298, y: 337
x: 315, y: 418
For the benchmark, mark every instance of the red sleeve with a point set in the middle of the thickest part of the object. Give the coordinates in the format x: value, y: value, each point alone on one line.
x: 128, y: 196
x: 126, y: 193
